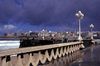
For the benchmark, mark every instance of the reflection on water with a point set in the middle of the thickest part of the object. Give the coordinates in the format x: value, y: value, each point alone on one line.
x: 86, y: 57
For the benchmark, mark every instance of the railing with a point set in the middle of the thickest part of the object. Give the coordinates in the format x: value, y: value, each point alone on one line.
x: 32, y: 56
x: 67, y: 60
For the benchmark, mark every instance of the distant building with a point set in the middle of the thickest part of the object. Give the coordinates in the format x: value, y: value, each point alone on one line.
x: 86, y: 35
x: 96, y: 35
x: 34, y: 34
x: 43, y: 33
x: 9, y: 34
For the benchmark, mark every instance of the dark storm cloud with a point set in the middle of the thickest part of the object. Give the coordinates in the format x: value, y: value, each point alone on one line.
x: 49, y: 12
x: 7, y: 10
x: 19, y: 2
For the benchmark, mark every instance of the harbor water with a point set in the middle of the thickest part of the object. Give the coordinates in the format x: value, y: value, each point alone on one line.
x: 9, y: 44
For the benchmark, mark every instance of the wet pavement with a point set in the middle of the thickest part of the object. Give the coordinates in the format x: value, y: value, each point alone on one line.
x: 86, y: 57
x: 91, y: 57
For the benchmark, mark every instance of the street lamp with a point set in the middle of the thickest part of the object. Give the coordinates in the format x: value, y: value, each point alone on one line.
x: 80, y: 16
x: 91, y: 26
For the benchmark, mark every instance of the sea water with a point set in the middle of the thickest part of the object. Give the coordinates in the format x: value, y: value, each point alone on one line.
x: 9, y: 44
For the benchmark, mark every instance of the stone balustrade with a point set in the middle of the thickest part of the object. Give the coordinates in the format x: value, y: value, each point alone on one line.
x: 33, y: 56
x: 67, y: 60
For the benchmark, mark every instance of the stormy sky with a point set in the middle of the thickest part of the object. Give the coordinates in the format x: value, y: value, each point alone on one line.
x: 54, y: 15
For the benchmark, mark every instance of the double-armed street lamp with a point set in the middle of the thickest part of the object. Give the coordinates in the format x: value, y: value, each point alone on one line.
x: 91, y: 26
x: 80, y: 16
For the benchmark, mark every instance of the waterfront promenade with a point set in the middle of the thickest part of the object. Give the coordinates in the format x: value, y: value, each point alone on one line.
x: 86, y: 57
x: 33, y: 56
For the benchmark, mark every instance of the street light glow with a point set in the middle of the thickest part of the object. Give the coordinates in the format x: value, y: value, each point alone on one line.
x: 80, y: 16
x: 92, y: 26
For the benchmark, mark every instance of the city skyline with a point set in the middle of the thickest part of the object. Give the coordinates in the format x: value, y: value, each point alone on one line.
x: 54, y: 15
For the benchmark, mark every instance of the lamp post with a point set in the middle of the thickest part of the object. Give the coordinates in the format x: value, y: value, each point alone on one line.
x: 91, y: 26
x: 80, y: 16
